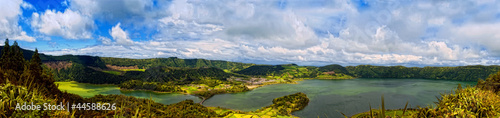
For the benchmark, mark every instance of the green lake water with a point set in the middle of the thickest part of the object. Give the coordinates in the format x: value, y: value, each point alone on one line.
x: 327, y: 97
x: 89, y: 90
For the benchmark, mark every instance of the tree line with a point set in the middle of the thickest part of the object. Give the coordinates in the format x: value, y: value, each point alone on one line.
x: 175, y: 62
x: 461, y: 73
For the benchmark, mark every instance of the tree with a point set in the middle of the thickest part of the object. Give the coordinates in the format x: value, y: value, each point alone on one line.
x: 17, y: 62
x: 35, y: 65
x: 5, y: 54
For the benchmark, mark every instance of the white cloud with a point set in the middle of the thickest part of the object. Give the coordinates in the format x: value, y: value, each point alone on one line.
x: 9, y: 16
x: 26, y: 5
x: 104, y: 40
x: 487, y: 35
x: 307, y: 32
x: 121, y: 37
x: 68, y: 24
x: 242, y: 21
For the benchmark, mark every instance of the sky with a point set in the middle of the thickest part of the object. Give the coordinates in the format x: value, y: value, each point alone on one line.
x: 305, y: 32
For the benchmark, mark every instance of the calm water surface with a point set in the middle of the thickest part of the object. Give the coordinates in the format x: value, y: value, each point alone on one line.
x: 329, y: 97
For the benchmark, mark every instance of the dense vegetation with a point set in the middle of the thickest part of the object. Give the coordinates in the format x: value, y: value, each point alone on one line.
x: 178, y: 75
x: 469, y: 102
x: 290, y: 103
x: 262, y: 70
x: 292, y: 71
x: 175, y: 62
x: 27, y: 81
x: 338, y: 69
x: 128, y: 106
x: 491, y: 83
x: 232, y: 89
x: 93, y: 61
x: 80, y: 73
x: 482, y: 100
x: 462, y: 73
x: 154, y: 86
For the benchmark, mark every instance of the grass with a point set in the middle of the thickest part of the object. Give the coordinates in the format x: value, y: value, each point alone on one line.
x: 467, y: 102
x: 264, y: 113
x: 189, y: 89
x: 336, y: 76
x: 12, y: 95
x: 133, y: 70
x: 112, y: 72
x: 391, y: 113
x: 75, y: 87
x: 383, y: 113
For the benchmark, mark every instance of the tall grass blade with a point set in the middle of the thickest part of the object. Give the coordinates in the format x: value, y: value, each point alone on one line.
x: 383, y: 107
x: 404, y: 110
x: 342, y: 114
x: 371, y: 112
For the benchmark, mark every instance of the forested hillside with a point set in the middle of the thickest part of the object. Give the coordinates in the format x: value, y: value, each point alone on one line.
x: 462, y: 73
x: 80, y: 73
x: 85, y: 60
x: 290, y: 71
x: 178, y: 75
x: 262, y: 70
x: 175, y: 62
x: 335, y: 68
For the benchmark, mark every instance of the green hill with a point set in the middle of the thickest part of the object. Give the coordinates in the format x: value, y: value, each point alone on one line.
x: 462, y: 73
x: 261, y: 70
x: 334, y: 67
x: 176, y: 62
x: 178, y: 75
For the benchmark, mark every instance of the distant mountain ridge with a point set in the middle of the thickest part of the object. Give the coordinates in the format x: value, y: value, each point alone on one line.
x: 84, y: 68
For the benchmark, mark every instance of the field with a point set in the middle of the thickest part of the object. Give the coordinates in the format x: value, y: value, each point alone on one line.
x: 112, y: 72
x: 133, y: 70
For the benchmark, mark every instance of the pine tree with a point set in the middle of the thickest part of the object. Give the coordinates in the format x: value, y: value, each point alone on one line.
x: 5, y: 55
x: 35, y: 65
x: 17, y: 58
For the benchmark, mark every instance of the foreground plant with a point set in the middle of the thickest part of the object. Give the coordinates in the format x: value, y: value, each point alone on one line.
x: 468, y: 102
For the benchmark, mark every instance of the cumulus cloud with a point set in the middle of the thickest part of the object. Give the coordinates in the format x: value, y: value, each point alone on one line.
x: 9, y: 17
x: 68, y: 24
x: 26, y: 5
x: 121, y: 37
x: 104, y: 40
x: 481, y: 35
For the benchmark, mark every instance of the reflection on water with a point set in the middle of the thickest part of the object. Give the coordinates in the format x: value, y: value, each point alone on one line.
x: 329, y: 97
x: 89, y: 90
